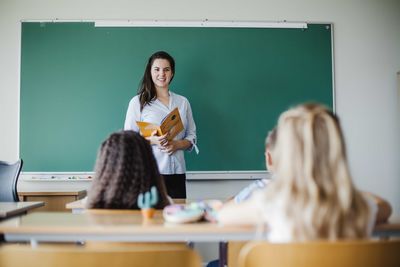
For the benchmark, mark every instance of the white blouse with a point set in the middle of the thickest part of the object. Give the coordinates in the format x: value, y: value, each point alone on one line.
x: 155, y: 112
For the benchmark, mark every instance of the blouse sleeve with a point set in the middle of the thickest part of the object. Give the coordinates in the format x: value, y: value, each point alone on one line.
x: 132, y: 115
x: 190, y: 133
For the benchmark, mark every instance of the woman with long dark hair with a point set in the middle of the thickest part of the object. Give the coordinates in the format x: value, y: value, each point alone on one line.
x: 152, y: 104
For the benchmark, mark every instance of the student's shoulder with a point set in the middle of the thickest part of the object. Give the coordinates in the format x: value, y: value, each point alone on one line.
x: 379, y: 207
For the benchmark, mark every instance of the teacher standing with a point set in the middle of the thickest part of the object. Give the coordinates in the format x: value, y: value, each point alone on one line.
x: 152, y: 103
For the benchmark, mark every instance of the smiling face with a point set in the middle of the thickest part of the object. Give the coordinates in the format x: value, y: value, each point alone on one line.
x: 161, y: 73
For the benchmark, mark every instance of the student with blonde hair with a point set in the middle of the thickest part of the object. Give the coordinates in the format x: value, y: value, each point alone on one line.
x: 312, y: 195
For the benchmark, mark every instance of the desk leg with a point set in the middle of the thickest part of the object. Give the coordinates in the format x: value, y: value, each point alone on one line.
x: 223, y: 253
x: 34, y: 243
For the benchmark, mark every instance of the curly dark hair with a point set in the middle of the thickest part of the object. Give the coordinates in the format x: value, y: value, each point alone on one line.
x: 125, y: 167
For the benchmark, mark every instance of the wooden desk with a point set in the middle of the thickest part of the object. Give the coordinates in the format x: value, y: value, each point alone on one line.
x: 119, y: 227
x: 79, y: 206
x: 55, y: 201
x: 129, y: 226
x: 8, y: 209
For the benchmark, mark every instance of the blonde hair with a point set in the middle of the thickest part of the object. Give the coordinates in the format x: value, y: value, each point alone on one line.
x: 313, y: 181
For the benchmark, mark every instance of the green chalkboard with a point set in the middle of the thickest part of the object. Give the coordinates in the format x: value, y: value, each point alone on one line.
x: 77, y: 80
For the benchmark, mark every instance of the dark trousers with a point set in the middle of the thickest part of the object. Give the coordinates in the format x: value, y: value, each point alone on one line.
x: 176, y: 185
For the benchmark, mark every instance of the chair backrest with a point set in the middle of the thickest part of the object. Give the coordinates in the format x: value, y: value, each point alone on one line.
x: 327, y: 254
x: 116, y: 256
x: 9, y: 173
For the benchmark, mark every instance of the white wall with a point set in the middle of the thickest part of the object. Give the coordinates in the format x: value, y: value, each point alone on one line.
x: 367, y: 57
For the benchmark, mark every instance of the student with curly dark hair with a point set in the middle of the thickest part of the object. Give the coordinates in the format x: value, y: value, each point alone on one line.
x: 125, y: 167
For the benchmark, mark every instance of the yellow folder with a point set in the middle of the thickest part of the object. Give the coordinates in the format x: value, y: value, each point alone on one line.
x: 171, y: 124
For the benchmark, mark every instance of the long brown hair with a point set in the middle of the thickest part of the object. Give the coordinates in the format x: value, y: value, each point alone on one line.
x: 147, y: 90
x: 125, y: 167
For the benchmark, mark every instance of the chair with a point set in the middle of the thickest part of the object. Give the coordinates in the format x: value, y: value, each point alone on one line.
x: 49, y: 255
x: 366, y: 253
x: 9, y: 173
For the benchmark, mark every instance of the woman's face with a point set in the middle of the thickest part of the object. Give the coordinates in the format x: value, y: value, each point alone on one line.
x: 161, y: 73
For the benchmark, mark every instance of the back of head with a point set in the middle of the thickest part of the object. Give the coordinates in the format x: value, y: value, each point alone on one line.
x: 313, y: 177
x: 125, y: 167
x: 270, y: 143
x: 270, y: 140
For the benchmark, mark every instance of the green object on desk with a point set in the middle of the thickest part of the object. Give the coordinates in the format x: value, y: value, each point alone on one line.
x: 148, y: 199
x: 77, y: 80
